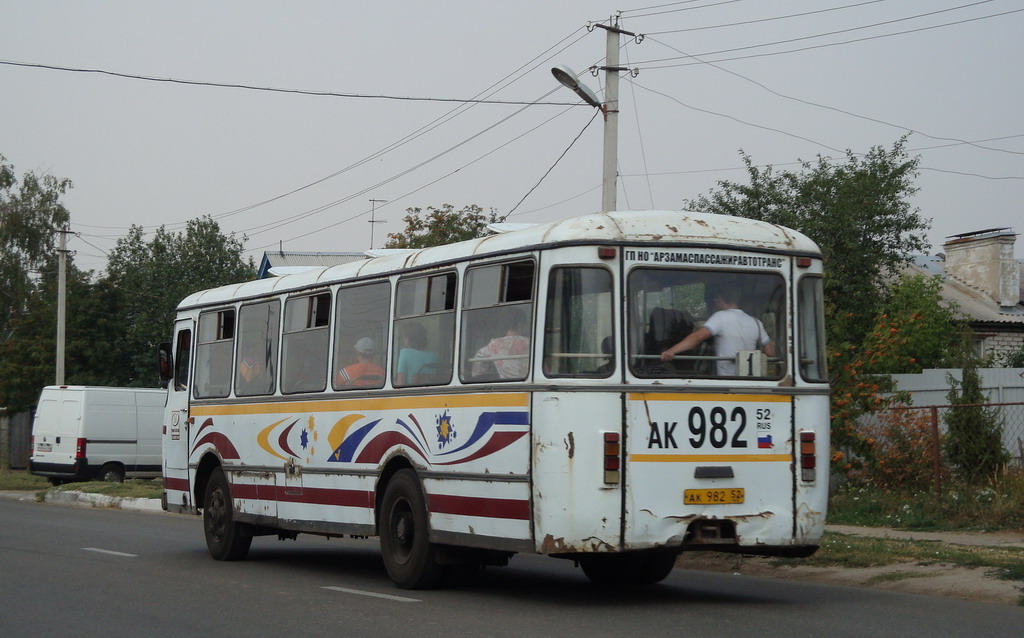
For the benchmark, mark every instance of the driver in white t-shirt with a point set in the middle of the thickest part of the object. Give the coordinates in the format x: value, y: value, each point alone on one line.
x: 733, y: 330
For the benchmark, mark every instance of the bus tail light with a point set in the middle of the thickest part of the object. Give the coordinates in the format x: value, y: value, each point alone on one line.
x: 80, y: 449
x: 808, y: 458
x: 612, y: 455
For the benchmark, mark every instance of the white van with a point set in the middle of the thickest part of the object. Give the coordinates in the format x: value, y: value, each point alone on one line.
x: 86, y: 433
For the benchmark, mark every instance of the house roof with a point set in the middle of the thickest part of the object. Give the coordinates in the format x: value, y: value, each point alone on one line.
x: 976, y: 304
x: 289, y: 262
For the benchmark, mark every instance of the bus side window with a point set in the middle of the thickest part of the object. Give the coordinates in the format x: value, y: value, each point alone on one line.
x: 497, y: 323
x: 305, y: 343
x: 424, y: 344
x: 213, y: 354
x: 580, y: 314
x: 361, y: 336
x: 256, y: 364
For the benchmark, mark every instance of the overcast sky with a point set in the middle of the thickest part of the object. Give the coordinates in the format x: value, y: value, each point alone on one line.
x: 789, y: 80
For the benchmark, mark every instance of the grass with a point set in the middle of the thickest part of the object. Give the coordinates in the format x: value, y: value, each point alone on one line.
x: 844, y: 550
x: 131, y: 488
x: 997, y: 506
x: 21, y: 480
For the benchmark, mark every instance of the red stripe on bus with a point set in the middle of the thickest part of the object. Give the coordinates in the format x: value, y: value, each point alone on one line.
x: 178, y: 484
x: 307, y: 495
x: 484, y: 507
x: 221, y: 442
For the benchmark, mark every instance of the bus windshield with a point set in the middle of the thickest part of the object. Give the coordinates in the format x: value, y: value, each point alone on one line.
x: 743, y: 313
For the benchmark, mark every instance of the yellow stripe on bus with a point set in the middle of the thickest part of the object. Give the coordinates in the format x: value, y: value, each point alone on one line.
x: 709, y: 458
x: 744, y: 398
x: 520, y: 400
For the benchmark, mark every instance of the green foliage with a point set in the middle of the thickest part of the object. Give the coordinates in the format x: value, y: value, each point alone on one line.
x: 961, y: 506
x: 857, y: 212
x: 973, y: 443
x: 95, y: 353
x: 30, y: 214
x: 1014, y: 359
x: 440, y: 226
x: 153, y: 277
x: 915, y: 330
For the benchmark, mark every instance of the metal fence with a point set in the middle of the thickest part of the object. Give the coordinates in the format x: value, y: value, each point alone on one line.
x: 912, y: 437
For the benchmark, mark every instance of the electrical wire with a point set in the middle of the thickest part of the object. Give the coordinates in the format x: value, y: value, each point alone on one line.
x: 650, y: 66
x: 762, y: 20
x: 552, y: 167
x: 833, y: 108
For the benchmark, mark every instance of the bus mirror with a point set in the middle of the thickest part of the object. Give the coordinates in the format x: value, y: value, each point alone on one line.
x: 166, y: 362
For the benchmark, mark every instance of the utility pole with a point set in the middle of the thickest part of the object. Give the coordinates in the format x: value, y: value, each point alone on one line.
x: 373, y: 209
x: 610, y: 107
x: 61, y: 301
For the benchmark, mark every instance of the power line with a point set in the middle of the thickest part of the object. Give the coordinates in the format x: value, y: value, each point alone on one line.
x: 833, y: 108
x: 651, y: 66
x: 247, y: 87
x: 761, y: 20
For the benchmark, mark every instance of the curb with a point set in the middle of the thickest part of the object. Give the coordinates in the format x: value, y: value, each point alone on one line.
x: 87, y: 499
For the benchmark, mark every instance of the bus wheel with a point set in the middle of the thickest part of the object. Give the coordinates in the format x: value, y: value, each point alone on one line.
x: 628, y: 569
x: 404, y: 536
x: 224, y: 536
x: 655, y: 567
x: 112, y: 473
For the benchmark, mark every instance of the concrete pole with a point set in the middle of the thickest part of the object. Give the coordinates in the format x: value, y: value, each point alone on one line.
x: 61, y: 300
x: 611, y: 120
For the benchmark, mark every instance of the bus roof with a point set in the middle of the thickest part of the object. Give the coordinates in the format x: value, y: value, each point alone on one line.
x: 672, y: 228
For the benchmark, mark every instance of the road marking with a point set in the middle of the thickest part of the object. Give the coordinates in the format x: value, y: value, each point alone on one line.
x: 360, y: 592
x: 109, y: 551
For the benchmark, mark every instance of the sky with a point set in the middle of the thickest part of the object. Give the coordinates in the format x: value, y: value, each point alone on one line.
x: 296, y: 124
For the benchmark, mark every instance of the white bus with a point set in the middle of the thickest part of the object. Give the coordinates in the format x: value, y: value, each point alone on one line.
x: 509, y: 394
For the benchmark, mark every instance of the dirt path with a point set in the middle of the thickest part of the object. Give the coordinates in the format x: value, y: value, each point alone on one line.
x: 946, y: 580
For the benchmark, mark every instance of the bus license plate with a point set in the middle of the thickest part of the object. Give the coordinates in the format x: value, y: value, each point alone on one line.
x: 727, y: 496
x: 44, y: 447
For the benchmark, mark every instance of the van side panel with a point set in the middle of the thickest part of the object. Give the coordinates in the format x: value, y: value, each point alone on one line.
x: 112, y: 422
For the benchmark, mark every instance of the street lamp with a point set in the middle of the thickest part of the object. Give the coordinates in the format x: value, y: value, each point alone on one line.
x: 610, y: 108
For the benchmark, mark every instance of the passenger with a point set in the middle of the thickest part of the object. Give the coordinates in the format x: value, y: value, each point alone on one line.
x: 733, y: 330
x: 413, y: 356
x: 509, y: 352
x: 364, y: 373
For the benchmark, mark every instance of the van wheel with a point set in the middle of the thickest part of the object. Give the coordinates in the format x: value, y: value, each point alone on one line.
x: 224, y: 537
x: 112, y: 473
x: 409, y: 556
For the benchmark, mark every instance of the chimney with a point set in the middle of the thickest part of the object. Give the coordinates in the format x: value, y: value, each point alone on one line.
x: 984, y: 260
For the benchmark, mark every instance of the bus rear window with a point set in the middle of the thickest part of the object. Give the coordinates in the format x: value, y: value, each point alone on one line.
x: 737, y: 319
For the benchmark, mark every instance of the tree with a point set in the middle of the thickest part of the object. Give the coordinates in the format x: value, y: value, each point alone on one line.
x: 912, y: 330
x: 918, y: 330
x: 154, y: 277
x: 95, y: 353
x: 858, y: 212
x: 30, y: 214
x: 974, y: 434
x: 440, y: 226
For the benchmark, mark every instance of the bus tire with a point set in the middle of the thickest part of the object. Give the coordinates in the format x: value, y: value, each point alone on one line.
x: 409, y: 556
x: 628, y: 569
x: 224, y: 537
x: 655, y: 567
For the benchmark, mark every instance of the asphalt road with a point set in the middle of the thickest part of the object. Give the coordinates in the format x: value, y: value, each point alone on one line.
x: 93, y: 572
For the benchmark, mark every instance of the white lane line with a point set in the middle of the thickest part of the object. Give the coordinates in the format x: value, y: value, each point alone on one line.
x: 360, y: 592
x: 109, y: 551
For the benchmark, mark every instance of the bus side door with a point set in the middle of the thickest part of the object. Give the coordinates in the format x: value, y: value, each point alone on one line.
x: 176, y: 435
